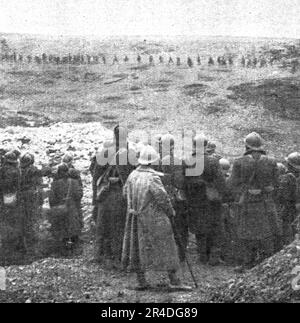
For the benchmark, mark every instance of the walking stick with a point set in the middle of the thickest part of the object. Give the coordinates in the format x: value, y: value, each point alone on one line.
x: 186, y: 258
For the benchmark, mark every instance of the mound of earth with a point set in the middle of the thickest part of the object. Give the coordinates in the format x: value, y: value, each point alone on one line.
x: 281, y: 96
x: 274, y: 280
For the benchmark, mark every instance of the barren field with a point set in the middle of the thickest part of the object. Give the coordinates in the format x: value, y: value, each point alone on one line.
x: 74, y: 107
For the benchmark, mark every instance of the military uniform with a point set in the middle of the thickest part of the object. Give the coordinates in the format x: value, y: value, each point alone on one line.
x: 173, y: 181
x: 30, y: 201
x: 287, y: 205
x: 204, y: 221
x: 11, y: 222
x: 255, y: 176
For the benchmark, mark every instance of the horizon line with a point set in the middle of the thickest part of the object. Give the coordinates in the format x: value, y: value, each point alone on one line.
x: 145, y: 36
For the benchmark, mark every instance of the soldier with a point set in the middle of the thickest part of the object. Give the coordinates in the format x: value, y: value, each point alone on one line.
x: 44, y: 58
x: 171, y: 60
x: 211, y: 150
x: 248, y: 63
x: 126, y: 59
x: 149, y: 240
x: 243, y: 61
x: 161, y: 59
x: 262, y: 62
x: 115, y: 60
x: 37, y: 60
x: 173, y: 181
x: 111, y: 217
x: 11, y: 222
x: 211, y: 61
x: 254, y: 177
x: 254, y: 62
x: 287, y: 196
x: 201, y: 191
x: 103, y: 59
x: 88, y: 58
x: 190, y: 62
x: 96, y: 59
x: 30, y: 199
x: 151, y: 60
x: 178, y: 62
x: 198, y: 60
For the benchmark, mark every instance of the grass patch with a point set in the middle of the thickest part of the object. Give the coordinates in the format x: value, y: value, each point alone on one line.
x: 194, y: 90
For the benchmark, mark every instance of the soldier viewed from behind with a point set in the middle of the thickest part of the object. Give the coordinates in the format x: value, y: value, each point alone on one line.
x: 288, y: 196
x: 65, y: 217
x: 173, y: 180
x: 149, y: 240
x: 189, y: 62
x: 11, y: 221
x: 30, y: 199
x: 254, y: 177
x: 211, y: 61
x: 202, y: 190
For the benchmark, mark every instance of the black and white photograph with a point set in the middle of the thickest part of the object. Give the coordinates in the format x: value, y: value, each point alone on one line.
x: 149, y: 154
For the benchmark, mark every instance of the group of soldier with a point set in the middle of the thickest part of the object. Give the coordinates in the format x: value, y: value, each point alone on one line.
x: 239, y: 214
x: 79, y: 59
x: 21, y: 206
x: 146, y: 211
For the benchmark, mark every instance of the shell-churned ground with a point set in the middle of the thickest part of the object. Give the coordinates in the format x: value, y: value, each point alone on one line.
x: 48, y: 110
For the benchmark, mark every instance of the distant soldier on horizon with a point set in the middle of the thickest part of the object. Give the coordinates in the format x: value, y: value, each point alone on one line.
x: 190, y: 62
x: 211, y: 61
x: 104, y: 60
x: 178, y: 62
x: 126, y: 59
x: 88, y: 58
x: 37, y: 59
x: 243, y: 61
x: 254, y: 62
x: 29, y: 59
x: 199, y: 60
x: 151, y: 60
x: 115, y: 60
x: 161, y: 59
x: 44, y: 58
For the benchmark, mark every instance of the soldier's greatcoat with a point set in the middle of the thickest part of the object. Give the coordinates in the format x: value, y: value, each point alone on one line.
x: 287, y: 200
x: 149, y: 241
x: 255, y: 178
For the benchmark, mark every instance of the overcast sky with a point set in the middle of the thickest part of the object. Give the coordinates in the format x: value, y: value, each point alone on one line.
x: 266, y: 18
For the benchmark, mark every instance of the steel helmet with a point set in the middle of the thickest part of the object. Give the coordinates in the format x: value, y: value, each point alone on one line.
x: 11, y: 158
x: 148, y: 155
x: 26, y: 160
x: 224, y: 163
x: 254, y: 141
x: 294, y: 160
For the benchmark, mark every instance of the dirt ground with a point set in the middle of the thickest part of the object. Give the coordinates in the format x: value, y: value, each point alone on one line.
x: 62, y: 108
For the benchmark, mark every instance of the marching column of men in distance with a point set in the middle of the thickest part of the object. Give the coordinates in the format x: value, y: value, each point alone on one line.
x: 246, y: 61
x: 146, y: 211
